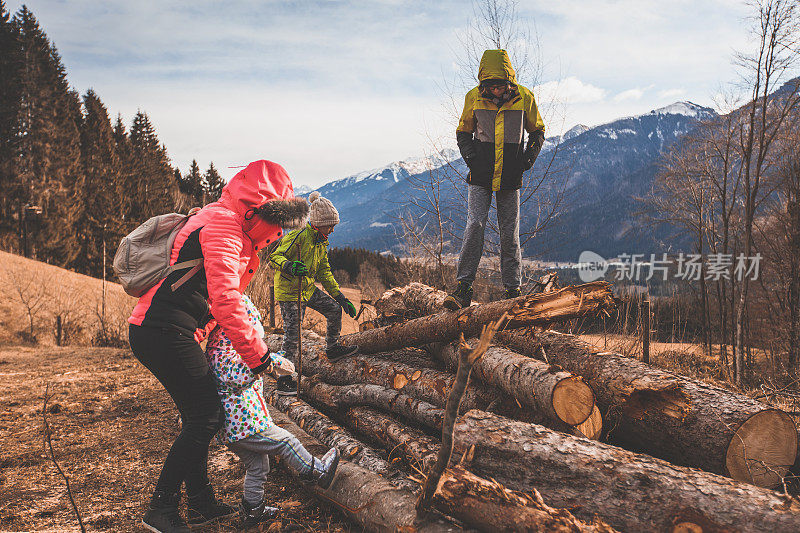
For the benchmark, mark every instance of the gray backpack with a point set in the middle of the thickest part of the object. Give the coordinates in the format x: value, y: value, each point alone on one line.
x: 143, y: 256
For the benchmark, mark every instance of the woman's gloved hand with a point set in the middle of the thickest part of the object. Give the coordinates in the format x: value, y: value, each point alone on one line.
x: 346, y: 304
x: 295, y: 268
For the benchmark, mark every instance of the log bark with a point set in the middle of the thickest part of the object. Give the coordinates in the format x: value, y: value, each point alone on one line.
x: 343, y: 396
x: 331, y: 434
x: 424, y: 384
x: 489, y: 506
x: 418, y: 449
x: 684, y: 421
x: 632, y: 492
x: 567, y: 303
x: 410, y: 301
x: 368, y: 499
x: 557, y: 394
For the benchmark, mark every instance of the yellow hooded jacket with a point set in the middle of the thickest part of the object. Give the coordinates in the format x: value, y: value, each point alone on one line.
x: 490, y: 137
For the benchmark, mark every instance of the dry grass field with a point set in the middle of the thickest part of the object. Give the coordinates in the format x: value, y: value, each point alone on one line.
x: 111, y: 422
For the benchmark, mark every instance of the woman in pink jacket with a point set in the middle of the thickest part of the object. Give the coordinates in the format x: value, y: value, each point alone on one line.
x: 167, y: 326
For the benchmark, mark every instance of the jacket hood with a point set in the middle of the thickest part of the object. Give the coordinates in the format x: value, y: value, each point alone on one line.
x: 495, y: 65
x: 262, y: 194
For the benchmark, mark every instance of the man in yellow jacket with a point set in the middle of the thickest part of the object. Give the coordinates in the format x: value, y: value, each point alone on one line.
x: 490, y: 136
x: 293, y: 275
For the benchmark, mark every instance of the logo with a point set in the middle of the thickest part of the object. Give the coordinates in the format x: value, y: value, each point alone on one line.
x: 591, y: 266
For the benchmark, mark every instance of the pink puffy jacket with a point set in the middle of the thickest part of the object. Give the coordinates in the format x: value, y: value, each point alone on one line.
x: 227, y: 235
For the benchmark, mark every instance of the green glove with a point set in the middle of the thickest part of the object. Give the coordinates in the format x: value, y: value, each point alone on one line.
x: 295, y: 268
x: 346, y: 304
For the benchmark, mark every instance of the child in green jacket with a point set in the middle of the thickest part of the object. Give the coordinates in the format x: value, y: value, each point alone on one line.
x: 295, y: 274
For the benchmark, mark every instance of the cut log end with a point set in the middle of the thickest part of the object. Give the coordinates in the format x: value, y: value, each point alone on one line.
x: 592, y: 428
x: 573, y: 400
x: 763, y: 448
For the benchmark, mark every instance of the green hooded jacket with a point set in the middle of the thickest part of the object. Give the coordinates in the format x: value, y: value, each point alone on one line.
x: 313, y: 253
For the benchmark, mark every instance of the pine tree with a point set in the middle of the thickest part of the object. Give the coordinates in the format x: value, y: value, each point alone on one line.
x: 9, y: 111
x: 154, y: 190
x: 102, y: 216
x: 47, y: 163
x: 214, y: 183
x: 196, y: 184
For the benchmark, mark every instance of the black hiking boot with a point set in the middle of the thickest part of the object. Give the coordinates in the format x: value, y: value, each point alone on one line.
x: 252, y: 515
x: 459, y: 298
x: 203, y: 508
x: 511, y: 293
x: 286, y: 386
x: 325, y: 468
x: 337, y: 351
x: 163, y: 516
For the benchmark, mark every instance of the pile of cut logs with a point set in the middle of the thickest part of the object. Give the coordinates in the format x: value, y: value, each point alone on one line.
x: 551, y: 435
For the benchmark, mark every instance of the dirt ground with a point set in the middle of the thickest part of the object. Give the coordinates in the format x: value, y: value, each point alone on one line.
x: 112, y: 425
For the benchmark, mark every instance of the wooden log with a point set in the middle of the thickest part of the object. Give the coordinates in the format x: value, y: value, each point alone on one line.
x: 425, y: 384
x: 632, y: 492
x: 331, y: 434
x: 409, y: 301
x: 684, y: 421
x: 367, y: 498
x: 592, y: 428
x: 480, y: 503
x: 489, y: 506
x: 343, y: 396
x: 570, y: 302
x: 418, y: 449
x: 548, y: 389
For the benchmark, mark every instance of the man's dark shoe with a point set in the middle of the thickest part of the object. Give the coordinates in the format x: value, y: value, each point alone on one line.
x: 203, y: 508
x: 163, y: 516
x: 252, y: 515
x: 511, y: 293
x: 325, y: 468
x: 337, y: 351
x: 459, y: 298
x: 286, y: 386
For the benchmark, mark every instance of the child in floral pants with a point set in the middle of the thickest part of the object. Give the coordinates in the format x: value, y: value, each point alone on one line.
x: 249, y: 431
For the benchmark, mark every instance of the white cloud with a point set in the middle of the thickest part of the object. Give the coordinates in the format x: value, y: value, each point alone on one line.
x: 671, y: 93
x: 569, y: 90
x: 630, y: 94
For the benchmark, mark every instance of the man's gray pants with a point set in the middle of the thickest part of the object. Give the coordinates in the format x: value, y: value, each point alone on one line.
x: 320, y: 302
x: 479, y: 200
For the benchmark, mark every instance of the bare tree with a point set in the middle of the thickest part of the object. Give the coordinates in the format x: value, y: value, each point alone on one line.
x: 775, y: 26
x: 30, y: 290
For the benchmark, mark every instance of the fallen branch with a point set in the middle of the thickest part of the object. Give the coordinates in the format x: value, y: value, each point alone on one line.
x: 467, y: 358
x: 489, y: 506
x: 536, y: 309
x: 48, y: 439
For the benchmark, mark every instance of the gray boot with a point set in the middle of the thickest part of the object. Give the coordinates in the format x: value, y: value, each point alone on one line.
x: 252, y: 515
x: 325, y: 468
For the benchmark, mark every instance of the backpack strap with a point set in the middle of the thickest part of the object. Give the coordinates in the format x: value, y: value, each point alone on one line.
x: 196, y: 264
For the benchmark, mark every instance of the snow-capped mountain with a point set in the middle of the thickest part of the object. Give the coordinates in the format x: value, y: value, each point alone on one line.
x: 602, y: 169
x: 358, y: 188
x: 302, y: 190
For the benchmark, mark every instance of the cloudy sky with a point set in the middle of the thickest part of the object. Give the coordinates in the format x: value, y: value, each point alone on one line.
x: 330, y: 88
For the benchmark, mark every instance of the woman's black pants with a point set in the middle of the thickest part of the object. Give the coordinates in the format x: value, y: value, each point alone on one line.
x: 178, y: 362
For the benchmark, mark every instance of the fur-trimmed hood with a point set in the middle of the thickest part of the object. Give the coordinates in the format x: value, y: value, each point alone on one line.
x: 252, y: 190
x: 288, y: 214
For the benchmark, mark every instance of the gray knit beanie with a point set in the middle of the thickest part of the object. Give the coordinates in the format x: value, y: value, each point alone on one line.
x: 322, y: 212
